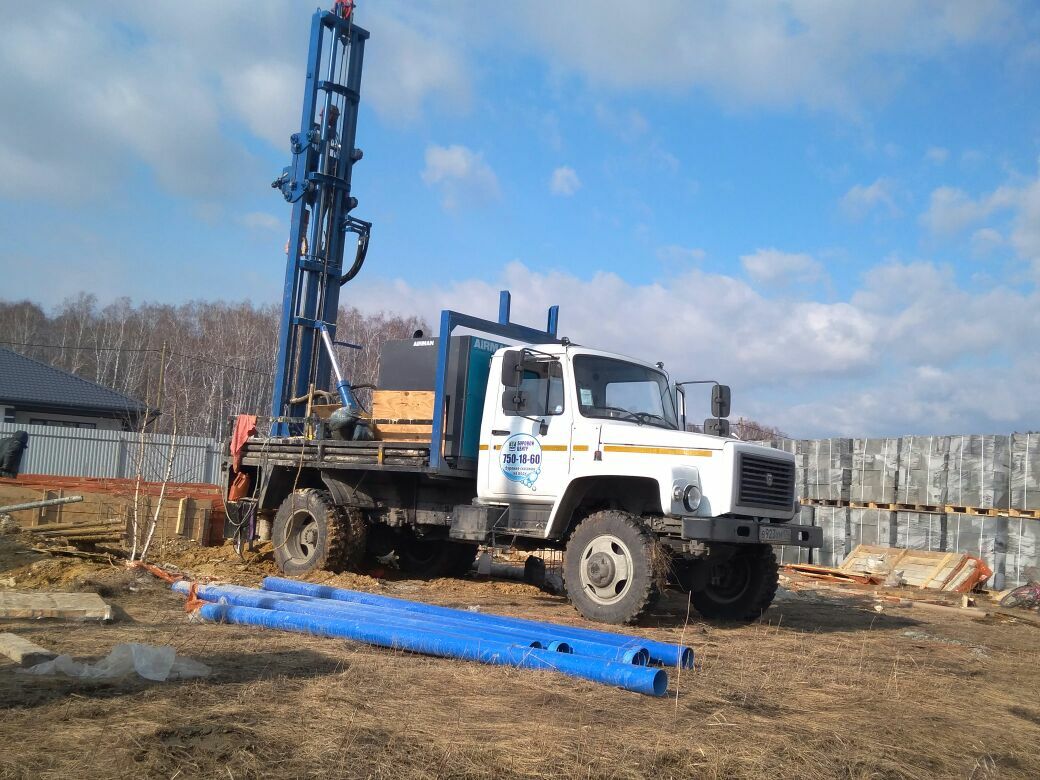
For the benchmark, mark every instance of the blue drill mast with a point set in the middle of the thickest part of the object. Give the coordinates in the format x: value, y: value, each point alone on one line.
x: 317, y: 183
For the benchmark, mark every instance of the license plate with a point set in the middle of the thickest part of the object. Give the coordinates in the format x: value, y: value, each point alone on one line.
x: 773, y: 533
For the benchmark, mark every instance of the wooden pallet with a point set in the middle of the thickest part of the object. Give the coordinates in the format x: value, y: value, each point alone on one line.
x: 974, y: 510
x: 874, y: 505
x: 930, y: 508
x: 948, y: 571
x: 1033, y: 513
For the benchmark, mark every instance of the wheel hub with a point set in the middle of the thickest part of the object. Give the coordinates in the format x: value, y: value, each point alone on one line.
x: 606, y: 569
x: 302, y: 537
x: 600, y: 569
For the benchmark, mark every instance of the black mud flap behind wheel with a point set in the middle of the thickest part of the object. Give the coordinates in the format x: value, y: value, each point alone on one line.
x: 436, y: 557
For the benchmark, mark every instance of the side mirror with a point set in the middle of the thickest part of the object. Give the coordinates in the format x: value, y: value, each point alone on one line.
x: 514, y: 401
x: 512, y: 367
x: 716, y: 426
x: 720, y: 401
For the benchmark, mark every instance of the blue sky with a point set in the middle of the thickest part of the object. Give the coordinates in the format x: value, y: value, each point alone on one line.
x: 833, y: 206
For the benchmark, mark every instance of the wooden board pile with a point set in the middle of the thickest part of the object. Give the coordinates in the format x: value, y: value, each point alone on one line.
x: 188, y: 511
x: 870, y: 564
x: 111, y: 532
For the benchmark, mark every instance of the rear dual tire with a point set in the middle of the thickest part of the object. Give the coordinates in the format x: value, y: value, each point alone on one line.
x: 311, y: 534
x: 740, y: 588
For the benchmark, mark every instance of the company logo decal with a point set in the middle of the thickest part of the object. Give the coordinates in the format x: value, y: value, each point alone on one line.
x: 521, y: 459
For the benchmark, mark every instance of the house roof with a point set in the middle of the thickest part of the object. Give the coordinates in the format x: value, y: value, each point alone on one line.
x: 28, y: 382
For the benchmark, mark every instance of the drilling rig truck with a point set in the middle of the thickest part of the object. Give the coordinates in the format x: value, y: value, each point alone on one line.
x: 492, y: 432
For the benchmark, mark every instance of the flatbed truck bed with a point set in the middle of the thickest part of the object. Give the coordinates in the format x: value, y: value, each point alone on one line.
x: 294, y: 451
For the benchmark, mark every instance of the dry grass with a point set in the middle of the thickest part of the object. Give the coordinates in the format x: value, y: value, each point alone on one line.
x: 826, y: 688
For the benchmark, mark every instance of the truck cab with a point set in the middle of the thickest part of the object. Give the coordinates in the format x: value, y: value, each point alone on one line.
x: 585, y: 448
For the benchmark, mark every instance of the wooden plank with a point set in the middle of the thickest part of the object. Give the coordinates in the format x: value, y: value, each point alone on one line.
x: 402, y: 404
x: 414, y: 433
x: 324, y: 411
x: 70, y: 606
x: 22, y: 651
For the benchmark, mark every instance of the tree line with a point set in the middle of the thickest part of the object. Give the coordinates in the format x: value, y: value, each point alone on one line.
x: 201, y: 361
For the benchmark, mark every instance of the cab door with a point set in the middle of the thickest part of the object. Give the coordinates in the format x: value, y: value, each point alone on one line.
x: 529, y: 447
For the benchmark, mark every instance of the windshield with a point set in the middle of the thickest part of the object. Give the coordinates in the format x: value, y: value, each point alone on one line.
x: 619, y: 390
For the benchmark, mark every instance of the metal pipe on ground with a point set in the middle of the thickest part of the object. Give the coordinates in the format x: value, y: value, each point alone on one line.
x: 40, y: 504
x: 660, y: 652
x: 310, y: 605
x: 640, y: 679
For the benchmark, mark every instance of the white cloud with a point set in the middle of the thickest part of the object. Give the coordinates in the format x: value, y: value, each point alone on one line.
x: 986, y: 240
x: 564, y: 181
x: 73, y: 138
x: 264, y: 95
x: 628, y: 124
x: 888, y: 360
x: 461, y: 175
x: 861, y: 199
x: 803, y: 52
x: 771, y: 267
x: 681, y: 255
x: 951, y: 210
x: 416, y: 63
x: 263, y: 221
x: 937, y: 155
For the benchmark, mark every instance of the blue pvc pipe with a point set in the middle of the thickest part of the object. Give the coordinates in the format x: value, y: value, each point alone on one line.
x: 304, y: 605
x: 311, y: 605
x: 660, y: 652
x: 640, y: 679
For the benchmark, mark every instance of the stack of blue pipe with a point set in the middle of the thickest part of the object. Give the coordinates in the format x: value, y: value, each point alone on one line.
x: 289, y: 605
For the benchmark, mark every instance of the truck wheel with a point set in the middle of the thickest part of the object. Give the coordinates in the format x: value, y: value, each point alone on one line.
x: 740, y: 588
x: 609, y: 567
x: 311, y: 533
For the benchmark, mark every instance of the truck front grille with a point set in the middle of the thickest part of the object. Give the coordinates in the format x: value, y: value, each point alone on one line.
x: 765, y: 483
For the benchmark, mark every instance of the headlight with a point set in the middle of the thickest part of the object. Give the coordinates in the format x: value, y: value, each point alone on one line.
x: 691, y: 498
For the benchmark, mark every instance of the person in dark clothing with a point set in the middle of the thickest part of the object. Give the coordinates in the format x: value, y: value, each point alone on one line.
x: 11, y: 449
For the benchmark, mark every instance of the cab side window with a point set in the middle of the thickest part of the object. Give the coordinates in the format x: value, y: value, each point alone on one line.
x: 542, y: 384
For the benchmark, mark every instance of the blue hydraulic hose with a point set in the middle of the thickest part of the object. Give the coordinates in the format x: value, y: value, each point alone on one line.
x: 305, y: 605
x: 660, y: 652
x: 640, y: 679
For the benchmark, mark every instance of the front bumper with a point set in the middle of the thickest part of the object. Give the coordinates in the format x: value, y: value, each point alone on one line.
x: 740, y: 530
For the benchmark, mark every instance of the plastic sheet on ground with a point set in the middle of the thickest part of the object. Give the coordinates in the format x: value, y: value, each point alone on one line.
x: 158, y: 664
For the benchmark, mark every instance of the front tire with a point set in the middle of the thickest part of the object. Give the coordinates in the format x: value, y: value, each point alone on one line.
x: 609, y: 567
x: 740, y: 588
x: 311, y: 533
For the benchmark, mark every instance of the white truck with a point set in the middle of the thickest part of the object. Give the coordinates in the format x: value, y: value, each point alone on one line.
x: 537, y: 444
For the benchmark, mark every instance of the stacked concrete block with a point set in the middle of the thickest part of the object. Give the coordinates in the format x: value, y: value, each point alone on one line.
x: 921, y: 531
x: 1025, y: 471
x: 828, y: 468
x: 923, y: 470
x: 1023, y: 552
x: 871, y: 526
x: 980, y: 471
x: 875, y: 470
x: 788, y: 554
x: 834, y: 520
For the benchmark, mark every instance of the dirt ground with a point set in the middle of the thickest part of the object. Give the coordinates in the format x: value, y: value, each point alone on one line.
x: 824, y: 686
